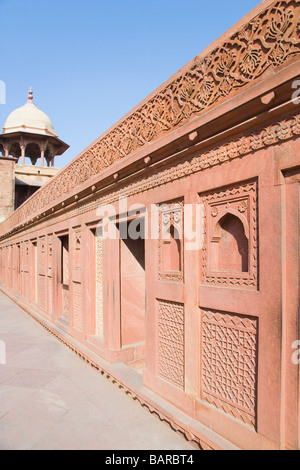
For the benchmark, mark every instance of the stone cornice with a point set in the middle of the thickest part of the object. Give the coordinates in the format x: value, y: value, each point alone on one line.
x: 277, y: 132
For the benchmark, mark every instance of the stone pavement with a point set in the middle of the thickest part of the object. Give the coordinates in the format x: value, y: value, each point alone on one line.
x: 50, y: 399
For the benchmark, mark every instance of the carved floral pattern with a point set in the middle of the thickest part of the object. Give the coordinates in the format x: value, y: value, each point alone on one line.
x: 266, y: 42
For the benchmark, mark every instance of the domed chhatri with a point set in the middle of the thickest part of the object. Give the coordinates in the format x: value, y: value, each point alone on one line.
x: 29, y: 118
x: 28, y: 132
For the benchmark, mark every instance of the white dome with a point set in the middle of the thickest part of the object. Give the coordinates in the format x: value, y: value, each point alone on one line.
x: 30, y: 119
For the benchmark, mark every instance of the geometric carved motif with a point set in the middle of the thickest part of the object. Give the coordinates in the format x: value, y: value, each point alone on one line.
x: 241, y: 201
x: 42, y: 250
x: 50, y: 254
x: 50, y: 294
x: 99, y: 286
x: 77, y: 306
x: 42, y: 292
x: 266, y: 42
x: 49, y: 275
x: 229, y: 363
x: 65, y: 302
x: 26, y: 253
x: 171, y: 342
x: 77, y: 248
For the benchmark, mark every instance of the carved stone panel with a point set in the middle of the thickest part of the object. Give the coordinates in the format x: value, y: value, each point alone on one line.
x: 65, y: 302
x: 99, y: 286
x: 77, y: 248
x: 229, y: 350
x: 171, y: 342
x: 42, y: 251
x: 229, y: 256
x: 42, y: 292
x: 26, y: 253
x: 170, y: 246
x: 50, y: 294
x: 77, y: 306
x: 50, y: 254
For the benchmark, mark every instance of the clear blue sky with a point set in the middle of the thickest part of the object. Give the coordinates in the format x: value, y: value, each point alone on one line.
x: 90, y: 62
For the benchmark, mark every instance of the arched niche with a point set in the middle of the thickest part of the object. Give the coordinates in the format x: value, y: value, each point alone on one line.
x: 2, y: 153
x: 15, y: 150
x: 230, y: 245
x: 33, y: 152
x: 171, y: 251
x: 48, y: 155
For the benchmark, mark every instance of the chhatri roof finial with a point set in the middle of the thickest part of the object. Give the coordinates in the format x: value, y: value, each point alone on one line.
x: 30, y: 96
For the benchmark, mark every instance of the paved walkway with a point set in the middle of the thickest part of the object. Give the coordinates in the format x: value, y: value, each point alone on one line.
x: 51, y: 399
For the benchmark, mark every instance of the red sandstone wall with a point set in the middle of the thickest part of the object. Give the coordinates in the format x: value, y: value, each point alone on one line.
x: 215, y: 345
x: 220, y: 319
x: 233, y: 68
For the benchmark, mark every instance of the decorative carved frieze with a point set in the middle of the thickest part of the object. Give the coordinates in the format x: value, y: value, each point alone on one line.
x: 282, y: 130
x: 229, y: 347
